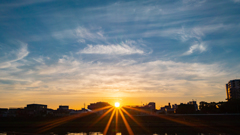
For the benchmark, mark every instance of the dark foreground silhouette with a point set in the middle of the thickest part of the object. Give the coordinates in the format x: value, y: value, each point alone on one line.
x: 171, y: 124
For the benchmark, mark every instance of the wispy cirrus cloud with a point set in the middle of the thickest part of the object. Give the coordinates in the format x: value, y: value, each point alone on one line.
x: 14, y: 55
x: 81, y: 34
x: 96, y: 34
x: 22, y: 52
x: 198, y: 33
x: 128, y: 76
x: 196, y: 47
x: 117, y: 49
x: 84, y: 35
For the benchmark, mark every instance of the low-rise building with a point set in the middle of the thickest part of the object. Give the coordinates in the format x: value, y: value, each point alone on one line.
x: 36, y: 107
x: 63, y: 107
x: 36, y: 110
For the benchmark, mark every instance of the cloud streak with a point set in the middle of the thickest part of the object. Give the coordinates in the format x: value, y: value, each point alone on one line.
x: 15, y: 55
x: 196, y: 47
x: 119, y: 49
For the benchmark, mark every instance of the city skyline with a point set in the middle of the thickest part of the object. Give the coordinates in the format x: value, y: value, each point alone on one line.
x: 134, y: 52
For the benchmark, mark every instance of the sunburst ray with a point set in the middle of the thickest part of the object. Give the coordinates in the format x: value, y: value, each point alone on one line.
x: 103, y: 115
x: 116, y: 126
x: 138, y: 123
x: 51, y: 124
x: 109, y: 122
x: 130, y: 132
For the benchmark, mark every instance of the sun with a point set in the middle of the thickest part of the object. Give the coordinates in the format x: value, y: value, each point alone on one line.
x: 117, y: 104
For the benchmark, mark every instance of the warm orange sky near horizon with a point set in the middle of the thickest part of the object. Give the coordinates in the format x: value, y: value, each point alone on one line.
x: 78, y: 103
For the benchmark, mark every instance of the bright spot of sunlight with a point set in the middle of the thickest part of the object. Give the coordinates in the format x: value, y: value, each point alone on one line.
x: 117, y: 104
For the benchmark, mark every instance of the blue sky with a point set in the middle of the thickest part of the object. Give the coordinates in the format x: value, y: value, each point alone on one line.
x: 54, y: 50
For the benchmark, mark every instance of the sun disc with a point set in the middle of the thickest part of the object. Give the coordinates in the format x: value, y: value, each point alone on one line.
x: 117, y: 104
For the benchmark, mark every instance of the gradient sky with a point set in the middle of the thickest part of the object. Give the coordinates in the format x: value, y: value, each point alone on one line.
x: 76, y: 51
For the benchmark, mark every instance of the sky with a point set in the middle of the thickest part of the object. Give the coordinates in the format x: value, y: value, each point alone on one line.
x: 59, y: 52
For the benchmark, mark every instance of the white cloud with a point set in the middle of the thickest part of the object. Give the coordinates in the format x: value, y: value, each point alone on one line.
x: 72, y: 76
x: 86, y: 34
x: 41, y: 59
x: 186, y: 34
x: 118, y: 49
x: 81, y: 34
x: 196, y: 47
x: 66, y: 64
x: 159, y: 77
x: 15, y: 55
x: 81, y: 41
x: 22, y: 52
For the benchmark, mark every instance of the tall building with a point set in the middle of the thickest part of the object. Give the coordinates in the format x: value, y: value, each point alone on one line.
x: 233, y: 89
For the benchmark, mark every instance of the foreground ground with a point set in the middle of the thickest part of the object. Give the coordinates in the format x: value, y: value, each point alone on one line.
x: 171, y: 124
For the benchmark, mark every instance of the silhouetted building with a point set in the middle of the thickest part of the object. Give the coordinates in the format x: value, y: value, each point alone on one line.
x: 233, y: 89
x: 79, y: 111
x: 36, y: 107
x: 152, y: 105
x: 167, y: 109
x: 3, y: 112
x: 63, y: 110
x: 186, y: 109
x: 63, y: 107
x: 98, y: 105
x: 13, y: 112
x: 190, y: 107
x: 174, y: 106
x: 193, y: 103
x: 141, y: 110
x: 36, y: 110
